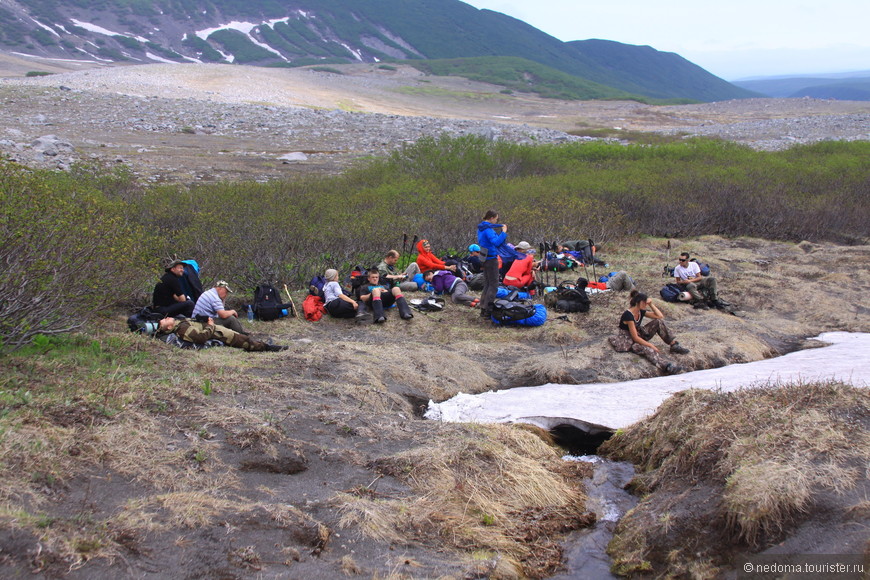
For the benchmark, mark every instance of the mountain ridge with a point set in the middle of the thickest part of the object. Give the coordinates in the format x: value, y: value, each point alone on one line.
x: 306, y: 32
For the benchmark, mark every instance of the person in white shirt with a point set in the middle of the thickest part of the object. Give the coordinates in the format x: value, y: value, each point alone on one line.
x: 688, y: 276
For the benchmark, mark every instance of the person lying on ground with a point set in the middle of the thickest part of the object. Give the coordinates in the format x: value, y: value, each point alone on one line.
x: 405, y: 280
x: 688, y: 276
x: 426, y: 260
x: 378, y: 296
x: 620, y: 281
x: 201, y: 332
x: 168, y: 297
x: 445, y: 282
x: 522, y: 272
x: 336, y: 302
x: 634, y: 336
x: 211, y: 305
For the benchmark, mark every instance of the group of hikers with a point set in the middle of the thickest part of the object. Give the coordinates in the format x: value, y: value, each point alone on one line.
x: 198, y: 316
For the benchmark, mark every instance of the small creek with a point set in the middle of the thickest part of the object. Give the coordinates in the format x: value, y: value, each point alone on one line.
x: 581, y: 417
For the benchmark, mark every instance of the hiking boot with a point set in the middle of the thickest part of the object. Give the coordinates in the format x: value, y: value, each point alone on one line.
x: 474, y: 303
x: 378, y: 312
x: 721, y: 304
x: 404, y: 310
x: 700, y: 305
x: 275, y: 347
x: 678, y: 348
x: 486, y: 313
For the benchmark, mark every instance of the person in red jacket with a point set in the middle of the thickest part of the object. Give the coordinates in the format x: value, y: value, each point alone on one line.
x: 429, y: 261
x: 521, y: 273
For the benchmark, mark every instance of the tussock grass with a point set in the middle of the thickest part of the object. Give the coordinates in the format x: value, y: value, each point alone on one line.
x: 479, y: 485
x: 764, y: 456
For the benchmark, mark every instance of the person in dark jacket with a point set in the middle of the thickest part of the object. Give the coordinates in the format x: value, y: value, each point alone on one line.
x: 491, y: 235
x: 445, y: 282
x: 168, y: 297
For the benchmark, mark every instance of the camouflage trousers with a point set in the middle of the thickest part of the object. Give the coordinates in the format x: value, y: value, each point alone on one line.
x: 704, y: 286
x: 623, y: 342
x: 199, y: 333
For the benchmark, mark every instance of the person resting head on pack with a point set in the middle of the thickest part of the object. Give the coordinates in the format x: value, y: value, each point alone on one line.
x: 377, y: 296
x: 336, y: 302
x: 169, y: 297
x: 634, y: 336
x: 211, y: 305
x: 200, y: 332
x: 445, y: 282
x: 388, y: 271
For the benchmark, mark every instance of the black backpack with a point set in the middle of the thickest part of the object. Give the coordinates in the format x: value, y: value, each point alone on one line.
x: 139, y: 322
x: 568, y: 297
x: 512, y: 311
x: 267, y: 302
x: 671, y: 293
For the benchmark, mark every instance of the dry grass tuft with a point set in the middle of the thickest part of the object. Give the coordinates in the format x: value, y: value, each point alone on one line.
x: 766, y: 455
x: 481, y: 485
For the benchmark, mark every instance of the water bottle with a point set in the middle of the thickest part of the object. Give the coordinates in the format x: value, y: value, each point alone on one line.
x: 250, y: 314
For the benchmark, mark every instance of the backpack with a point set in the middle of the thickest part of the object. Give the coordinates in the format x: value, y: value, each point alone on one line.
x: 190, y: 282
x: 671, y: 293
x: 507, y: 311
x: 145, y: 321
x: 568, y: 298
x: 705, y: 268
x: 428, y: 304
x: 315, y: 286
x: 267, y: 303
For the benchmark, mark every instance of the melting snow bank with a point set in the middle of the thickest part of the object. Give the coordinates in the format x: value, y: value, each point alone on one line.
x: 600, y: 407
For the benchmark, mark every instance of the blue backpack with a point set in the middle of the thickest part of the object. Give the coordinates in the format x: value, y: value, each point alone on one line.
x: 671, y: 293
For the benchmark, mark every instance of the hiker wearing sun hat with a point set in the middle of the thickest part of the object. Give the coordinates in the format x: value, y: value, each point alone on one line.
x: 168, y: 297
x: 211, y: 305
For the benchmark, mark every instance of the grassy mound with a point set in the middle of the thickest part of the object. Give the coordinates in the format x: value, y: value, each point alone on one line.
x: 727, y: 473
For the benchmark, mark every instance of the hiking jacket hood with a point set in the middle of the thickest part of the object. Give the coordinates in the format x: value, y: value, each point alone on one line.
x: 489, y: 239
x: 428, y: 260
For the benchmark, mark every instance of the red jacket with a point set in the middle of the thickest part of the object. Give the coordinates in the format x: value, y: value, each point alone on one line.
x: 428, y: 260
x: 521, y: 272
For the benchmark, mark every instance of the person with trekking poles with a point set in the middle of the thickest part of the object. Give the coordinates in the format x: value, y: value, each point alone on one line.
x: 634, y: 336
x: 688, y: 276
x: 336, y: 302
x: 490, y: 236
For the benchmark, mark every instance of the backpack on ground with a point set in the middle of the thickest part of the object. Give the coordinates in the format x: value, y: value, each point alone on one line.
x: 671, y: 293
x: 567, y: 297
x: 315, y: 286
x: 145, y: 321
x: 428, y: 304
x: 190, y: 282
x: 506, y: 311
x: 267, y: 303
x: 705, y: 268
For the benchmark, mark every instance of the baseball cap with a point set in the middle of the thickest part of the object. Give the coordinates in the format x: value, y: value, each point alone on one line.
x: 473, y: 248
x: 222, y: 284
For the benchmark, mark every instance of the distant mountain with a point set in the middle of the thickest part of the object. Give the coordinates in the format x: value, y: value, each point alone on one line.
x: 305, y: 32
x: 836, y: 86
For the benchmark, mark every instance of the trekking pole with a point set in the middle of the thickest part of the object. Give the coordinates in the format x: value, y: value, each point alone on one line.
x: 542, y: 272
x: 404, y: 245
x: 411, y: 249
x: 592, y: 251
x: 554, y: 247
x: 665, y: 272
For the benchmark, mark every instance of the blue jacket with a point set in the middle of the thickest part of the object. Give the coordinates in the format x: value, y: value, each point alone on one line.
x: 489, y: 239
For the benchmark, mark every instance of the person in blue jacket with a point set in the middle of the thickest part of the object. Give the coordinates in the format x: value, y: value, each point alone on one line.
x: 491, y: 235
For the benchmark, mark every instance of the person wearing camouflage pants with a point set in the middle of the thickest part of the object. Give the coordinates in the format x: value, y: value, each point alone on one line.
x: 634, y: 337
x: 200, y: 332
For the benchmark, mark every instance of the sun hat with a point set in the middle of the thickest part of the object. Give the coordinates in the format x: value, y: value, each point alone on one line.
x: 222, y: 284
x: 171, y: 263
x: 523, y: 246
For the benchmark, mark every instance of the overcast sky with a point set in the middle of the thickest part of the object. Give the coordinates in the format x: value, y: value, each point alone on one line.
x: 734, y: 39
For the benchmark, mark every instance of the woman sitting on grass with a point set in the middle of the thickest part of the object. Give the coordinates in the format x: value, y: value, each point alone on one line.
x: 336, y: 302
x: 634, y: 337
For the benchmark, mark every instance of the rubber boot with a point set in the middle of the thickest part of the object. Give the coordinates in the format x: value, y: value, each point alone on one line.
x: 404, y: 308
x: 378, y: 310
x: 361, y: 311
